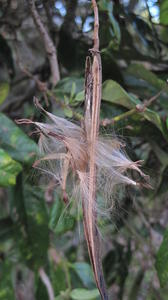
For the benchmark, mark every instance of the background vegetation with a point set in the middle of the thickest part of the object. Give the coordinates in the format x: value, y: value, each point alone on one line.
x: 40, y: 239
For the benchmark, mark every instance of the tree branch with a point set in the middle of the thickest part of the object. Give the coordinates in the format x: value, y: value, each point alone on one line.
x: 139, y: 108
x: 45, y: 279
x: 48, y: 43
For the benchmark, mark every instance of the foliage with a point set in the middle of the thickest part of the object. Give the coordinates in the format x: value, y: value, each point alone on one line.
x: 37, y: 230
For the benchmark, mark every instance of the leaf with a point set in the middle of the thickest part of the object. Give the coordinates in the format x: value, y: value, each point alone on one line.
x: 112, y: 92
x: 162, y: 188
x: 162, y: 261
x: 141, y: 72
x: 4, y: 90
x: 58, y: 276
x: 68, y: 112
x: 55, y: 213
x: 69, y: 86
x: 60, y: 222
x: 41, y: 291
x: 15, y: 142
x: 105, y: 5
x: 160, y: 153
x: 6, y: 287
x: 85, y: 273
x: 73, y: 90
x: 9, y: 169
x: 29, y: 213
x: 37, y: 219
x: 65, y: 224
x: 80, y: 96
x: 164, y: 12
x: 83, y: 294
x: 66, y: 100
x: 147, y: 84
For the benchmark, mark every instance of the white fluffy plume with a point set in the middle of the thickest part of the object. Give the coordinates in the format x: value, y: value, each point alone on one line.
x: 65, y: 153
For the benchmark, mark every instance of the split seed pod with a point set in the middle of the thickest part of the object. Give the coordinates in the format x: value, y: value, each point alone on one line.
x: 96, y: 164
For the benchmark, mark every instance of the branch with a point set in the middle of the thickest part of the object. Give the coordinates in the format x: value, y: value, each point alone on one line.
x: 139, y: 108
x: 42, y: 87
x: 96, y: 25
x: 45, y: 279
x: 48, y: 13
x: 48, y: 43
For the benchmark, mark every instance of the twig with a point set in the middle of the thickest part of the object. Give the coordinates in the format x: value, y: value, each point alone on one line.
x: 48, y: 43
x: 106, y: 122
x: 96, y: 26
x: 42, y: 86
x: 47, y: 8
x: 153, y: 98
x: 139, y: 108
x: 45, y: 279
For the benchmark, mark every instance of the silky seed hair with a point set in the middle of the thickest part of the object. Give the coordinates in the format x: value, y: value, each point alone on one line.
x: 64, y: 152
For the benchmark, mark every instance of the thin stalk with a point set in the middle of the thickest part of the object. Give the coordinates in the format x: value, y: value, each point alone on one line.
x: 92, y: 116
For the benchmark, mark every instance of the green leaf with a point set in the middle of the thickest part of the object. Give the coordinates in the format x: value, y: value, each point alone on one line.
x: 80, y: 96
x: 73, y: 90
x: 141, y: 72
x: 58, y: 276
x: 6, y: 288
x: 9, y: 169
x: 154, y: 118
x: 66, y: 100
x: 114, y: 29
x: 69, y: 86
x: 41, y: 291
x: 83, y: 294
x: 167, y: 123
x: 112, y: 92
x: 160, y: 153
x: 162, y: 188
x: 68, y: 112
x: 164, y: 12
x: 28, y: 211
x: 85, y: 273
x: 15, y: 142
x: 60, y: 221
x: 55, y: 213
x: 146, y: 84
x: 162, y: 261
x: 65, y: 224
x: 4, y: 91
